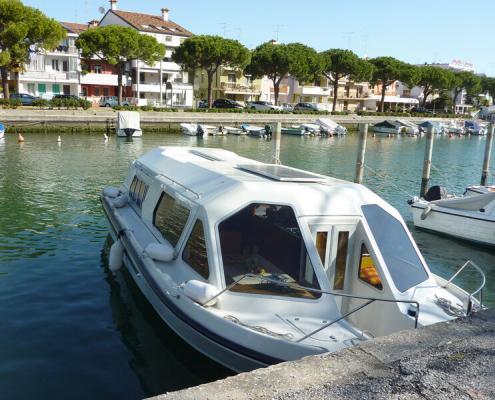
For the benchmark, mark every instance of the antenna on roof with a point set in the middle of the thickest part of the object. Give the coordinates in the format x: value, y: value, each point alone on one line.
x: 101, y: 10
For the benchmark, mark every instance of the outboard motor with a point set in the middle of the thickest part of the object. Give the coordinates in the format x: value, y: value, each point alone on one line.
x: 129, y: 131
x: 268, y: 131
x: 200, y: 131
x: 436, y: 193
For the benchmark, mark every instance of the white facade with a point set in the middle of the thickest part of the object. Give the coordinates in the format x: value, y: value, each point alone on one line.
x: 54, y: 72
x: 164, y: 83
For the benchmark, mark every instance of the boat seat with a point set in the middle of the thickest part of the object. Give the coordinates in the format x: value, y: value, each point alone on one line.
x: 470, y: 203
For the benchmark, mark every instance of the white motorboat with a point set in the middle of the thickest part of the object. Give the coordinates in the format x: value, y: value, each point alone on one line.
x: 296, y: 130
x: 474, y: 128
x: 470, y: 217
x: 253, y: 264
x: 200, y: 130
x: 439, y: 127
x: 234, y: 131
x: 330, y: 127
x: 455, y: 127
x: 388, y: 128
x: 128, y: 124
x: 411, y: 129
x: 254, y: 130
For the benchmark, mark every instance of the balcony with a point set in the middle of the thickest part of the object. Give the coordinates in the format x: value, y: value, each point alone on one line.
x: 64, y: 50
x: 238, y: 88
x: 313, y: 91
x: 103, y: 79
x: 50, y: 76
x: 154, y: 87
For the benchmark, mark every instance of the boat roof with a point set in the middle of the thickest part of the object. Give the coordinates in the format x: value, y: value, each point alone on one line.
x: 206, y: 174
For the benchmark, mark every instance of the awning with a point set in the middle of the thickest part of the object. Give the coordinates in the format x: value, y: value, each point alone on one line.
x: 394, y: 99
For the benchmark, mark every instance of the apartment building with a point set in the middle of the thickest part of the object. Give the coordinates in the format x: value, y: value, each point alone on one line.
x: 231, y: 83
x: 49, y: 73
x: 164, y: 83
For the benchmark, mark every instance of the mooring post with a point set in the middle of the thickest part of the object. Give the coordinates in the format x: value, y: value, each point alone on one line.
x: 277, y: 136
x: 488, y: 154
x: 430, y: 135
x: 363, y: 134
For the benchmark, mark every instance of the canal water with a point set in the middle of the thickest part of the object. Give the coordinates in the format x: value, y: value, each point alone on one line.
x: 71, y: 329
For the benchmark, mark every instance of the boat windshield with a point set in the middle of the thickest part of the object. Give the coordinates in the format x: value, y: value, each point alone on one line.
x: 265, y: 240
x: 401, y: 258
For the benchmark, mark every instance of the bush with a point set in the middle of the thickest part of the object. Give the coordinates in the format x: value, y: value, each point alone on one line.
x: 126, y: 108
x: 14, y: 103
x: 146, y: 108
x: 41, y: 103
x: 85, y: 104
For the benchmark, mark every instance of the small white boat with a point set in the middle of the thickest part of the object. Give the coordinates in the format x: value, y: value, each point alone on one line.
x: 128, y: 124
x: 313, y: 129
x: 254, y: 264
x: 254, y: 130
x: 395, y: 127
x: 439, y: 127
x: 330, y: 127
x: 470, y: 217
x: 474, y: 128
x: 200, y: 130
x: 296, y: 130
x: 411, y: 129
x: 234, y: 131
x: 455, y: 127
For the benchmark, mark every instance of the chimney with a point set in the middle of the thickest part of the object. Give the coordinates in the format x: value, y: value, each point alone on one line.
x: 165, y: 14
x: 93, y: 23
x: 113, y: 5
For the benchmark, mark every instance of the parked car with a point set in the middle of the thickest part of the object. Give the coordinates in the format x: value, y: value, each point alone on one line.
x: 203, y: 104
x: 26, y: 99
x: 112, y: 101
x: 66, y: 97
x: 226, y: 103
x: 423, y: 110
x: 307, y: 107
x: 287, y: 107
x: 263, y: 106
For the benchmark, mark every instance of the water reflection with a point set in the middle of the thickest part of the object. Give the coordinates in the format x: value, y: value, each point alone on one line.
x: 160, y: 359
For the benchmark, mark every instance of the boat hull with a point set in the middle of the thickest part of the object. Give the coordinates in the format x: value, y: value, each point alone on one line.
x: 129, y: 133
x: 461, y: 225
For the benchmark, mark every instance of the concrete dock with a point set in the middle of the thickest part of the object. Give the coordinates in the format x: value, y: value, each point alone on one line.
x: 100, y: 116
x: 451, y: 360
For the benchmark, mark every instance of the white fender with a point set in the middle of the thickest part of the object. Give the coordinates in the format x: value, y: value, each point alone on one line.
x: 200, y: 292
x: 425, y: 212
x: 120, y: 201
x: 115, y: 259
x: 111, y: 191
x: 160, y: 252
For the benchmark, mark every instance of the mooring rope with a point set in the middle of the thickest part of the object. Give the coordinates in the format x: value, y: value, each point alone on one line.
x: 388, y: 181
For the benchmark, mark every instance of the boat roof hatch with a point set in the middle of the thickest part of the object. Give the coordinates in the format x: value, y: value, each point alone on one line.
x: 204, y: 155
x: 282, y: 173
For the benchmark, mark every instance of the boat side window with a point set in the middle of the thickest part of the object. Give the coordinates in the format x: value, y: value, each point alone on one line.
x: 367, y: 270
x: 341, y: 260
x: 265, y: 240
x: 170, y: 218
x: 321, y: 245
x: 195, y: 253
x: 138, y: 191
x: 396, y: 248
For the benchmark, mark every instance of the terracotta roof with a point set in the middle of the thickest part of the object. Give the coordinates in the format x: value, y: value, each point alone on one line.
x: 74, y: 27
x: 151, y: 23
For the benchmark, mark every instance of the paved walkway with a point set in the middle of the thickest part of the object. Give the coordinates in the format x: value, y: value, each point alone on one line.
x: 454, y: 360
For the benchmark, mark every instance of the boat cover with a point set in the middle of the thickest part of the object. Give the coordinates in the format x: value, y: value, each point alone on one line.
x: 128, y: 120
x: 468, y: 203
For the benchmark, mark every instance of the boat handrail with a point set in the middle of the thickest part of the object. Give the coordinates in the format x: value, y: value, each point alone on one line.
x: 151, y: 173
x: 299, y: 287
x: 480, y: 287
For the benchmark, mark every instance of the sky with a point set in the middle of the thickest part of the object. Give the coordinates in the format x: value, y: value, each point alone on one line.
x: 414, y: 31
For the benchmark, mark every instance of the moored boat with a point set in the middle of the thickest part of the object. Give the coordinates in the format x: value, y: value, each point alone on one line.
x: 254, y: 130
x: 469, y: 217
x: 233, y: 130
x: 330, y: 127
x: 474, y: 128
x: 388, y: 127
x: 2, y: 130
x: 253, y: 264
x: 128, y: 124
